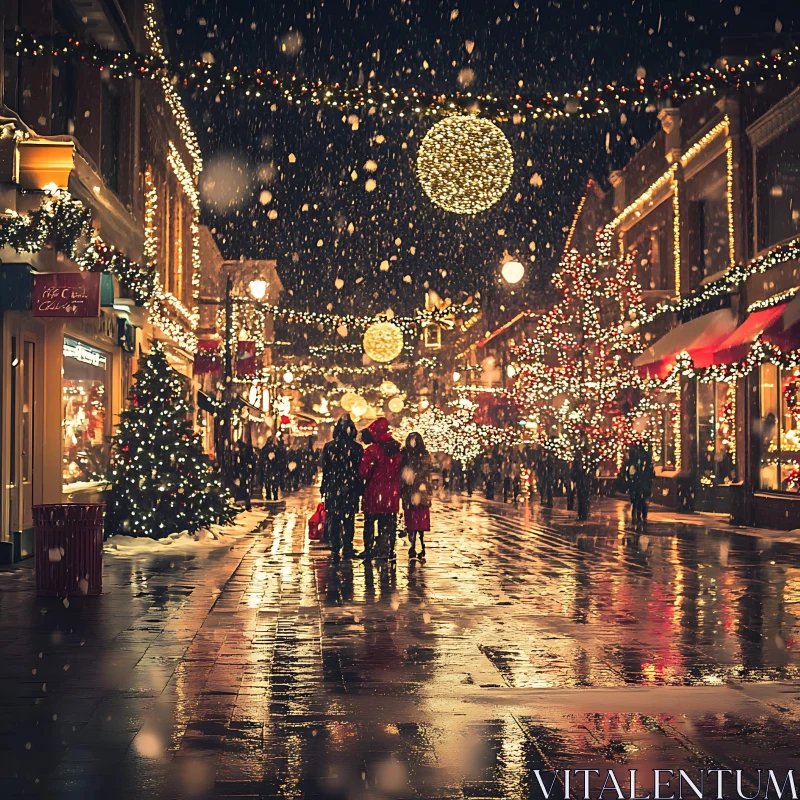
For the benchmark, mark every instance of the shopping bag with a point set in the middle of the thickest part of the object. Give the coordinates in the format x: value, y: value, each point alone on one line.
x: 316, y: 524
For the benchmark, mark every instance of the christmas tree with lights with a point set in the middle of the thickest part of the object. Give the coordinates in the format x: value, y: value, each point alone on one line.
x: 576, y: 378
x: 161, y: 481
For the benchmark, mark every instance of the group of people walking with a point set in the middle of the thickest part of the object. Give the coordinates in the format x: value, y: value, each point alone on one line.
x: 378, y: 478
x: 272, y: 468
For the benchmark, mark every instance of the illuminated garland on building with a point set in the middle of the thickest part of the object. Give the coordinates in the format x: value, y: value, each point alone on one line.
x: 65, y: 223
x: 583, y: 102
x: 775, y: 300
x: 162, y: 305
x: 173, y: 99
x: 190, y: 190
x: 760, y: 353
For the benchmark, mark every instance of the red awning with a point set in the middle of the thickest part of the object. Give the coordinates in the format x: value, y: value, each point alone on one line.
x: 700, y: 338
x: 737, y: 345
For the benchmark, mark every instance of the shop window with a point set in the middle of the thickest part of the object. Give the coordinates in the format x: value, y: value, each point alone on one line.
x: 670, y: 418
x: 85, y: 412
x: 708, y: 245
x: 778, y: 188
x: 780, y: 429
x: 651, y: 241
x: 716, y: 430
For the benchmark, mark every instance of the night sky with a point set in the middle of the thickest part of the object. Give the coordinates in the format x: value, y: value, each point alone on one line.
x: 282, y: 180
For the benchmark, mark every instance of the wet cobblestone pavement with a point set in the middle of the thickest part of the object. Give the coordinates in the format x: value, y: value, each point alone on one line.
x: 526, y: 641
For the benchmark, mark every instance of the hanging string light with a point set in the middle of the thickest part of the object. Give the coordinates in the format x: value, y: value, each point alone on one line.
x: 582, y: 102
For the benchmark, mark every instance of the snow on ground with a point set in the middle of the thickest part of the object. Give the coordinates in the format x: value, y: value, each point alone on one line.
x: 184, y: 542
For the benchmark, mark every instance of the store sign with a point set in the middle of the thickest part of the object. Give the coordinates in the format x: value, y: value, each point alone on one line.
x: 66, y: 294
x: 83, y: 353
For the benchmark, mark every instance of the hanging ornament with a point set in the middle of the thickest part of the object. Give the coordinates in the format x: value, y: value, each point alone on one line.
x: 465, y: 164
x: 383, y: 342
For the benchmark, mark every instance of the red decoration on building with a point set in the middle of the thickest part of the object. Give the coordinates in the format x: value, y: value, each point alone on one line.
x: 66, y: 294
x: 207, y: 360
x: 245, y: 358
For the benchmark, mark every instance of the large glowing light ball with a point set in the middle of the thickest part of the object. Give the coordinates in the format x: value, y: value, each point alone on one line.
x: 512, y: 272
x: 383, y: 342
x: 396, y: 405
x: 465, y: 164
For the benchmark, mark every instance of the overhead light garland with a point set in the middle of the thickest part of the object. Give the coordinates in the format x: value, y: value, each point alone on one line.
x: 583, y: 102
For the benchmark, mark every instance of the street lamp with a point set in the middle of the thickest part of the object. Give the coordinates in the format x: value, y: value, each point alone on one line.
x: 288, y: 377
x: 512, y: 272
x: 258, y: 288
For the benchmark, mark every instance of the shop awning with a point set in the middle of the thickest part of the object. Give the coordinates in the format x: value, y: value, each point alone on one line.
x: 779, y: 325
x: 737, y: 345
x: 699, y: 337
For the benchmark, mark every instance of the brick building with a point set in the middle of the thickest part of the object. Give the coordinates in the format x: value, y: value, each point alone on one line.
x: 123, y: 149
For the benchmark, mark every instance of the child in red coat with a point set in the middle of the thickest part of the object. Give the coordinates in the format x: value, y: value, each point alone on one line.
x: 415, y: 489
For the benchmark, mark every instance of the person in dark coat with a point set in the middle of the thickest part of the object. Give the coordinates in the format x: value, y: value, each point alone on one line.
x: 639, y: 473
x: 342, y: 486
x: 245, y: 467
x: 415, y: 491
x: 271, y: 468
x: 380, y: 469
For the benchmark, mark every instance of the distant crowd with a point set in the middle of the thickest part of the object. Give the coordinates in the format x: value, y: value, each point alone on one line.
x: 380, y: 477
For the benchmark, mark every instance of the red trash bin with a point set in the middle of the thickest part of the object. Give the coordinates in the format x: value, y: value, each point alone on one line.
x: 68, y: 545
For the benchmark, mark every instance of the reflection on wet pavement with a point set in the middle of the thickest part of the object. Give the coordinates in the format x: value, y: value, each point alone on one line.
x: 525, y: 642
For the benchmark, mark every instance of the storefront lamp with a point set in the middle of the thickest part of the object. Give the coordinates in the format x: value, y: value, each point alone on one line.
x: 258, y: 288
x: 42, y: 164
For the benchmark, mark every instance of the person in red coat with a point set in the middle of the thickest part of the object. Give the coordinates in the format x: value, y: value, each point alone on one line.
x: 380, y: 469
x: 415, y: 490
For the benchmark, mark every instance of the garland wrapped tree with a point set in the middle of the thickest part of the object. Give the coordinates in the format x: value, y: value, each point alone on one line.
x: 576, y: 374
x: 161, y: 481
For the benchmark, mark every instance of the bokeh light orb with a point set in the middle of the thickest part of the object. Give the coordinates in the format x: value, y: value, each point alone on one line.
x: 389, y: 388
x: 512, y: 272
x: 465, y: 164
x: 383, y: 342
x: 348, y: 398
x: 360, y: 406
x: 396, y: 405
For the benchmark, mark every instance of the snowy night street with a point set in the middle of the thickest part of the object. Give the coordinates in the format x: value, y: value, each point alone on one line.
x: 525, y: 641
x: 400, y: 400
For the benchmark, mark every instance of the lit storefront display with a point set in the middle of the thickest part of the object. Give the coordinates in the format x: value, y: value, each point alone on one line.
x: 85, y: 418
x: 780, y: 429
x: 716, y: 453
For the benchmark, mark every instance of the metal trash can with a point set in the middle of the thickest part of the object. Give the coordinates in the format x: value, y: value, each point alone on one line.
x: 68, y: 545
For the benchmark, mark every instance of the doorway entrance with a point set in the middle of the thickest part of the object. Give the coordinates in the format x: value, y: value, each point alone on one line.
x: 20, y: 433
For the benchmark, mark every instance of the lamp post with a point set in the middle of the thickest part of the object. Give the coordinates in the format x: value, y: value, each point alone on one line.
x: 258, y: 289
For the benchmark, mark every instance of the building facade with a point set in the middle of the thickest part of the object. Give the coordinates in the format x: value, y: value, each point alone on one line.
x: 122, y: 153
x: 710, y: 209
